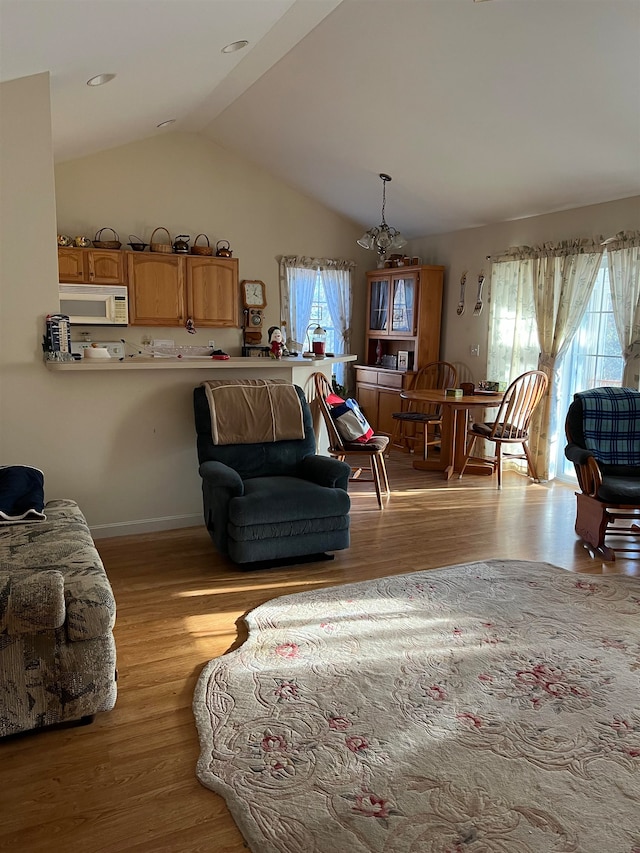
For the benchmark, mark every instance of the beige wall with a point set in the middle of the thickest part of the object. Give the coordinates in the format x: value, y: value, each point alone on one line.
x: 467, y: 250
x: 30, y: 417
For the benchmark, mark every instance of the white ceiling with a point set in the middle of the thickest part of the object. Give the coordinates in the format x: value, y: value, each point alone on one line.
x: 480, y: 111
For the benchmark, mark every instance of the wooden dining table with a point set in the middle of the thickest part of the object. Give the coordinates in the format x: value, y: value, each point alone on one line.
x: 455, y: 417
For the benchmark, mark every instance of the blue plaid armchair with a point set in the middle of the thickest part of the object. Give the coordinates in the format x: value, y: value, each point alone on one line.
x: 603, y: 435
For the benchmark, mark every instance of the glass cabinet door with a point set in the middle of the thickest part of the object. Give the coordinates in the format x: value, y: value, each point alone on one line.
x: 403, y: 314
x: 379, y: 306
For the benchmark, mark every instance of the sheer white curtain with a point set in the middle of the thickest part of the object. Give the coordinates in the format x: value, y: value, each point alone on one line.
x: 623, y: 257
x: 563, y: 278
x: 538, y: 297
x: 337, y: 279
x: 297, y: 284
x: 513, y: 337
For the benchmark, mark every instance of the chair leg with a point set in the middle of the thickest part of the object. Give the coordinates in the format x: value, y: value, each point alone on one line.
x: 499, y: 462
x: 532, y: 467
x: 467, y: 455
x: 383, y: 472
x: 376, y: 479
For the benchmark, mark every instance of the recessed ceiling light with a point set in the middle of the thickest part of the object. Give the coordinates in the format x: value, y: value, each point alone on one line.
x: 100, y: 79
x: 235, y: 45
x: 167, y: 122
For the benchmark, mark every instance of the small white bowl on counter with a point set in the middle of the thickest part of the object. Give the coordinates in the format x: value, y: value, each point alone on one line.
x: 96, y: 352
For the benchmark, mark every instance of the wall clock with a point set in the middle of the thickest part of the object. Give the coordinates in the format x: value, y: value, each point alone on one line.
x: 254, y: 294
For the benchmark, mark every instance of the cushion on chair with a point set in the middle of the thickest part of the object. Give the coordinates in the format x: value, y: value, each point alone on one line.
x: 619, y: 490
x: 379, y: 442
x: 302, y: 518
x: 288, y: 499
x: 574, y: 426
x: 485, y: 430
x: 416, y: 417
x: 610, y: 424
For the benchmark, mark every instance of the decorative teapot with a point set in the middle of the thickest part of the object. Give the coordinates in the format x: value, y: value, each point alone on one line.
x: 223, y: 249
x: 181, y: 244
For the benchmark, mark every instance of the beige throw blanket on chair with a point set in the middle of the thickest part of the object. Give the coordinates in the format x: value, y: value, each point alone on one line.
x: 250, y: 411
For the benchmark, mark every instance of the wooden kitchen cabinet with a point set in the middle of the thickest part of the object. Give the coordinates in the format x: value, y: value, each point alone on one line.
x: 404, y: 312
x: 166, y: 290
x: 212, y: 291
x: 91, y: 266
x: 156, y: 289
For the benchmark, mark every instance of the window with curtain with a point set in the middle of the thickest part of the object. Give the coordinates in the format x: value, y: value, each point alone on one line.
x: 549, y: 310
x: 318, y: 292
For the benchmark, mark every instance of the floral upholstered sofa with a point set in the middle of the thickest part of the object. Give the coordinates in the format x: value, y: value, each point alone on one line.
x: 57, y: 612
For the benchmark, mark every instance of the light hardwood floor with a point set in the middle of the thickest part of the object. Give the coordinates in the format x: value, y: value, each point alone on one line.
x: 127, y: 782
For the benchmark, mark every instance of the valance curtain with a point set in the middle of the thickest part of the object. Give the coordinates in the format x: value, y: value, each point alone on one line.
x: 623, y: 257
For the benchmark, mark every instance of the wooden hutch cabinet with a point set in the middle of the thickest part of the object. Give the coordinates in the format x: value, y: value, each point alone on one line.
x: 404, y: 310
x: 164, y: 290
x: 91, y: 266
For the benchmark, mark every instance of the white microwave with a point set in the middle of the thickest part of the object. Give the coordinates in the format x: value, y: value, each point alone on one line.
x: 95, y: 304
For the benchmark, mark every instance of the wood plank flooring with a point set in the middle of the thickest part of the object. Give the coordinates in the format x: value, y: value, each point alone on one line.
x: 127, y: 782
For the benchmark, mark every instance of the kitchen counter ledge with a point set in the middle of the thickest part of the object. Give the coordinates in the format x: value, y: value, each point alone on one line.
x: 242, y: 363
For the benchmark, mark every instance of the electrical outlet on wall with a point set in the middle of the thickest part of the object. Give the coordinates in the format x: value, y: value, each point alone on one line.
x: 474, y: 349
x: 212, y: 344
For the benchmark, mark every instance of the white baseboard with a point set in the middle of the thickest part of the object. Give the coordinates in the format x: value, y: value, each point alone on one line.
x: 146, y: 525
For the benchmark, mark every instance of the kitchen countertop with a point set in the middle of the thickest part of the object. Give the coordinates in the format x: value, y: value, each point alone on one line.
x: 146, y: 363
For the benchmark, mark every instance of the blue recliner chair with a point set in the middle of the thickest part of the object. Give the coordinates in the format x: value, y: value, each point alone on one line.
x: 270, y: 502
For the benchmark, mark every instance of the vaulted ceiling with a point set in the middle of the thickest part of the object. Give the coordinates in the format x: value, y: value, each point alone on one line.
x: 480, y: 111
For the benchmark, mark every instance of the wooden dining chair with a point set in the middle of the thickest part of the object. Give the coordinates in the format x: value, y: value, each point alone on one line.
x: 371, y: 451
x: 511, y: 425
x: 407, y: 432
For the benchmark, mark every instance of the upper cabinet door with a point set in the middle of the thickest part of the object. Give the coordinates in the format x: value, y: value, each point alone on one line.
x: 156, y: 289
x: 91, y: 266
x: 212, y: 291
x: 71, y: 266
x: 106, y: 266
x: 379, y: 305
x: 403, y: 308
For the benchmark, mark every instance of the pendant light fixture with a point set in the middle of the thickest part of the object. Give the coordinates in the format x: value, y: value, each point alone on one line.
x: 383, y: 238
